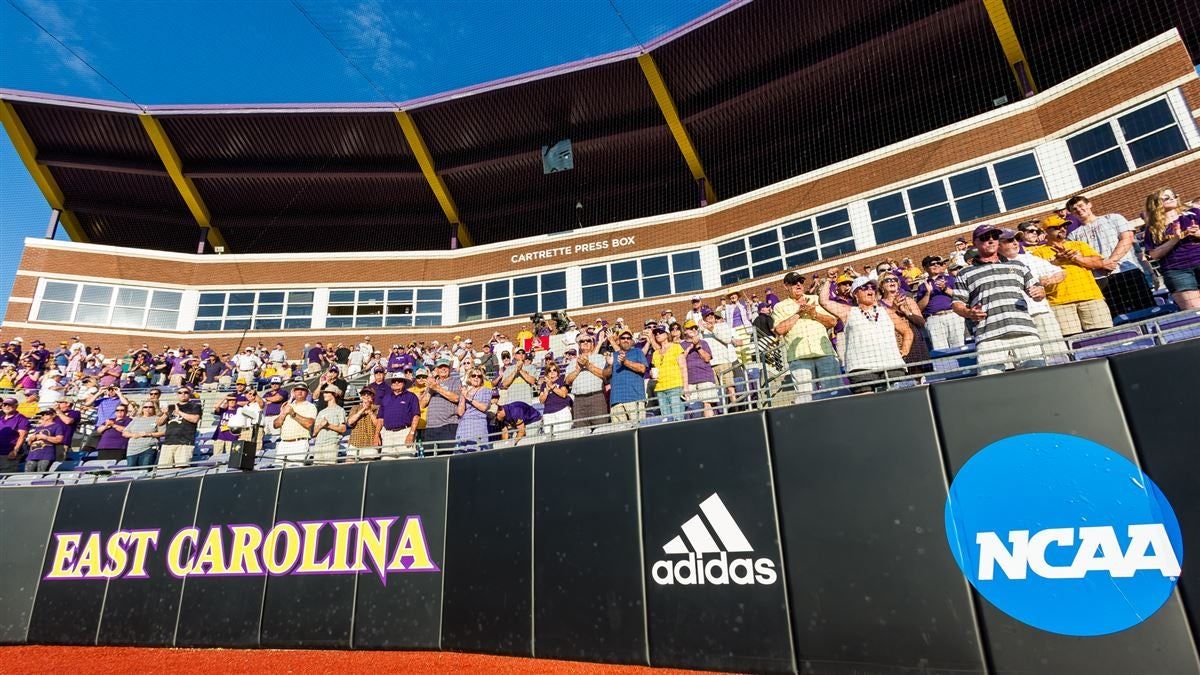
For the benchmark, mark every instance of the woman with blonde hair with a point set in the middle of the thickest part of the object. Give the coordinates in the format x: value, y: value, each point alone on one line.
x: 1172, y: 237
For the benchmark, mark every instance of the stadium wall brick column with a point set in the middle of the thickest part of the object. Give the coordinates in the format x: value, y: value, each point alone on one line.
x: 796, y: 539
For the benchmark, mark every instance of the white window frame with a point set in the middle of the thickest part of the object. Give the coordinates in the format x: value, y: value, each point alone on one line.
x: 1122, y: 142
x: 640, y: 278
x: 110, y: 307
x: 385, y: 290
x: 254, y: 311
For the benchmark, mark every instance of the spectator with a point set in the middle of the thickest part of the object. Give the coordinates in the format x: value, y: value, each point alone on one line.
x: 224, y: 435
x: 68, y: 421
x: 1119, y: 274
x: 1048, y: 276
x: 994, y: 292
x: 180, y: 420
x: 473, y: 402
x: 519, y: 379
x: 142, y: 435
x: 399, y: 414
x: 905, y: 309
x: 441, y: 403
x: 377, y: 384
x: 947, y: 330
x: 1077, y: 301
x: 764, y: 322
x: 586, y: 377
x: 364, y: 433
x: 554, y: 395
x: 248, y: 421
x: 875, y: 345
x: 696, y: 313
x: 277, y: 356
x: 1173, y: 238
x: 699, y: 381
x: 330, y: 378
x: 627, y: 368
x: 313, y: 356
x: 112, y: 439
x: 43, y: 440
x: 273, y: 399
x: 329, y: 426
x: 247, y: 364
x: 52, y: 388
x: 725, y: 364
x: 667, y: 374
x: 957, y: 257
x: 517, y: 415
x: 295, y: 423
x: 31, y: 405
x: 14, y: 427
x: 139, y: 371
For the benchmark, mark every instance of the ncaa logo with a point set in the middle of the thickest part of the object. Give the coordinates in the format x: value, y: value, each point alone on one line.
x: 1063, y: 534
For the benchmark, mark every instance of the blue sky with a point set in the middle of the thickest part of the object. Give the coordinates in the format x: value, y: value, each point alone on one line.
x: 217, y: 51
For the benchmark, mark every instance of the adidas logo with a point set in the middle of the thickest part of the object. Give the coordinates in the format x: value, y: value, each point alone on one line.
x: 718, y: 569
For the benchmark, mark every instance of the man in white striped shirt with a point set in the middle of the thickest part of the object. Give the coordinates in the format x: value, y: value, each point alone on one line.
x: 994, y: 292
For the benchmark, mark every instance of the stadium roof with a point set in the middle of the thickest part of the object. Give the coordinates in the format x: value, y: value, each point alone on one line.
x: 745, y: 96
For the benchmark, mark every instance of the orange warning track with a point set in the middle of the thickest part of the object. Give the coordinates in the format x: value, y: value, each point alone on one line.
x: 84, y: 660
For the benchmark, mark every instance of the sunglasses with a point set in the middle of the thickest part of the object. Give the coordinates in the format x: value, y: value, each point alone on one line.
x: 868, y: 287
x: 1169, y: 195
x: 147, y: 407
x: 991, y: 236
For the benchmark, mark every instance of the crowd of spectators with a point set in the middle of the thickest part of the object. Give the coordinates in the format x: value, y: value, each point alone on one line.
x: 1015, y: 293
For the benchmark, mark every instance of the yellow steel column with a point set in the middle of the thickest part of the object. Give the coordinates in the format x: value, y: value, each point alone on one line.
x: 998, y: 14
x: 187, y: 189
x: 425, y: 160
x: 663, y: 95
x: 27, y: 151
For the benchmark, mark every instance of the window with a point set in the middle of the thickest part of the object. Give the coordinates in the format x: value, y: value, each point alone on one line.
x: 825, y: 236
x: 645, y: 278
x: 521, y: 296
x: 1134, y: 139
x: 1020, y: 181
x: 257, y: 310
x: 379, y: 307
x: 103, y: 305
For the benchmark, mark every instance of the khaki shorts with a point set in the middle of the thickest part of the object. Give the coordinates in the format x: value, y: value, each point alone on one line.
x: 1077, y: 317
x: 726, y: 377
x: 704, y: 392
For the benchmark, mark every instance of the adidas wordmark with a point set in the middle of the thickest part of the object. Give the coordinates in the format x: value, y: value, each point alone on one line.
x: 719, y: 567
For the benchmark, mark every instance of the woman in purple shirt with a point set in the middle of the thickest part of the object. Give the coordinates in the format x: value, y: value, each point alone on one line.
x: 699, y: 380
x: 43, y: 443
x: 112, y: 434
x: 556, y: 400
x: 1173, y: 238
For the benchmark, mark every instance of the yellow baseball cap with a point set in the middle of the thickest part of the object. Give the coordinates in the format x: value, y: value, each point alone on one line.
x: 1054, y: 220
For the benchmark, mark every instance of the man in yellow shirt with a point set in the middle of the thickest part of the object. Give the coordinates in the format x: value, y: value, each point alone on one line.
x: 29, y: 407
x: 803, y: 332
x: 1077, y: 301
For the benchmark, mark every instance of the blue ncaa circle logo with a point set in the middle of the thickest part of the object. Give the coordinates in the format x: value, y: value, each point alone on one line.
x: 1063, y: 534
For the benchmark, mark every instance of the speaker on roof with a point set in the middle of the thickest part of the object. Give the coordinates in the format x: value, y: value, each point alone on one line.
x: 558, y: 157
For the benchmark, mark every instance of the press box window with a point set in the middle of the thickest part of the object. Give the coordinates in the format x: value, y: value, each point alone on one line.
x: 393, y: 307
x: 116, y: 306
x: 1131, y: 140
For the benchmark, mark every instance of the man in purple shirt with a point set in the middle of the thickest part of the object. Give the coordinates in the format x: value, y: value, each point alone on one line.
x: 398, y: 360
x: 934, y: 296
x: 68, y: 421
x: 43, y: 443
x: 206, y: 351
x: 273, y: 398
x: 398, y: 416
x: 377, y: 383
x: 699, y: 381
x: 13, y: 429
x: 516, y: 415
x: 314, y: 353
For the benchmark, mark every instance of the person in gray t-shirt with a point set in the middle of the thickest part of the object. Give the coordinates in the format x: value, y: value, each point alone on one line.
x: 440, y: 400
x: 144, y: 434
x: 519, y: 379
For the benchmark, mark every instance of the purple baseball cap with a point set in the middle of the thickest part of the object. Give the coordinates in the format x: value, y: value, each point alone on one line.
x: 984, y: 229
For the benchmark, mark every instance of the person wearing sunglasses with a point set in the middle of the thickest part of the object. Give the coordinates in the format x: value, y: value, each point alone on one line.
x: 111, y: 444
x: 142, y: 435
x: 473, y: 401
x: 875, y: 344
x: 994, y: 292
x: 1172, y: 238
x: 1077, y: 301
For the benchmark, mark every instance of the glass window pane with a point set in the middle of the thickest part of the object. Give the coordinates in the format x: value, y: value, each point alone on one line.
x: 765, y: 253
x: 207, y: 325
x: 341, y: 310
x: 339, y: 322
x: 166, y: 300
x: 54, y: 311
x: 969, y: 183
x: 268, y: 324
x: 554, y: 281
x: 269, y: 297
x: 369, y: 321
x: 554, y: 300
x: 428, y: 307
x: 655, y: 286
x: 270, y: 310
x: 624, y: 270
x: 933, y: 219
x: 423, y: 320
x: 210, y: 310
x: 1092, y: 141
x: 402, y: 294
x: 594, y: 275
x: 299, y: 310
x: 56, y: 290
x: 980, y: 205
x: 162, y: 318
x: 802, y: 258
x: 91, y: 314
x: 652, y: 267
x: 688, y: 281
x: 836, y: 233
x: 525, y: 304
x: 212, y: 298
x: 688, y: 260
x: 833, y: 218
x: 297, y: 323
x: 132, y: 297
x: 735, y: 276
x: 1024, y: 193
x: 400, y: 308
x: 368, y: 296
x: 496, y: 290
x: 800, y: 243
x: 731, y: 247
x: 624, y: 290
x: 796, y: 229
x: 926, y: 195
x: 595, y: 295
x: 398, y: 321
x: 472, y: 293
x: 236, y: 324
x: 241, y: 298
x: 891, y: 229
x: 886, y: 206
x: 764, y: 238
x: 369, y: 310
x: 1145, y: 120
x: 1156, y: 146
x: 1015, y: 169
x: 768, y: 268
x: 341, y: 296
x: 837, y: 249
x: 424, y: 293
x: 127, y: 316
x: 732, y: 262
x: 96, y: 295
x: 1101, y: 168
x: 305, y: 297
x: 497, y: 309
x: 470, y: 312
x: 524, y: 285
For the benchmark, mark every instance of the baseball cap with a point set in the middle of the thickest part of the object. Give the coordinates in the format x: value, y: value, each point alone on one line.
x: 421, y: 372
x: 932, y: 260
x: 446, y: 362
x: 845, y: 279
x: 381, y: 370
x: 706, y: 312
x: 276, y: 380
x: 395, y: 346
x: 859, y: 283
x: 793, y: 278
x: 1008, y: 234
x: 764, y: 305
x: 9, y: 401
x: 301, y: 385
x: 648, y: 323
x: 983, y: 230
x: 571, y: 350
x: 1054, y: 221
x: 624, y: 333
x: 1030, y: 225
x: 659, y: 329
x: 696, y: 299
x: 333, y: 390
x: 397, y: 376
